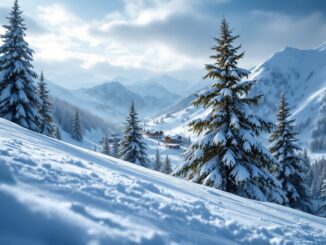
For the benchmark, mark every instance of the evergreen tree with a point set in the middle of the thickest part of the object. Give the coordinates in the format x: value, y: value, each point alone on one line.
x: 157, y: 163
x: 46, y: 126
x: 228, y: 154
x: 106, y: 149
x: 132, y: 146
x: 291, y: 170
x: 115, y: 148
x: 307, y: 170
x: 322, y: 210
x: 318, y: 135
x: 77, y: 131
x: 166, y: 166
x: 316, y: 176
x: 57, y: 133
x: 19, y: 101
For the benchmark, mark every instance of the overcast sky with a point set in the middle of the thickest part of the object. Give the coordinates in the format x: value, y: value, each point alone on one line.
x: 79, y: 43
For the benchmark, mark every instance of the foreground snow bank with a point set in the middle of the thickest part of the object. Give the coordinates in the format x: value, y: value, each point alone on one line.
x: 55, y: 193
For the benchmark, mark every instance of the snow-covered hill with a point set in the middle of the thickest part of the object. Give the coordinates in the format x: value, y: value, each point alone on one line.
x: 114, y: 93
x: 176, y: 86
x: 300, y: 74
x: 153, y: 90
x: 55, y: 193
x: 111, y: 100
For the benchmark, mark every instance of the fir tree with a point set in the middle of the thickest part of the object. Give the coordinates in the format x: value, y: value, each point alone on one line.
x: 166, y: 166
x: 322, y: 210
x: 57, y: 133
x: 115, y: 148
x: 46, y: 126
x: 157, y: 163
x: 77, y: 131
x: 19, y: 101
x: 316, y: 177
x: 106, y: 149
x: 132, y: 146
x: 318, y: 135
x: 228, y: 154
x: 290, y: 170
x: 307, y: 168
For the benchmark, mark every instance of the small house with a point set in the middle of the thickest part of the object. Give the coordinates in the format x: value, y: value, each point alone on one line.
x: 177, y: 139
x: 154, y: 134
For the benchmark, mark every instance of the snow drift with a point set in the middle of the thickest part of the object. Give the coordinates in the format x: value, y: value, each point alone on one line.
x: 56, y: 193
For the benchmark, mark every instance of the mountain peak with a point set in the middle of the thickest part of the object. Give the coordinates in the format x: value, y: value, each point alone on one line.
x: 113, y: 84
x: 321, y: 47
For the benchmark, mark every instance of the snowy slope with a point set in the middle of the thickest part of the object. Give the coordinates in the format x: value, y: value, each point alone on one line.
x: 55, y: 193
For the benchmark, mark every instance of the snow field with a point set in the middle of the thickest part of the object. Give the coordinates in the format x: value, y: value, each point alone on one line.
x: 56, y: 193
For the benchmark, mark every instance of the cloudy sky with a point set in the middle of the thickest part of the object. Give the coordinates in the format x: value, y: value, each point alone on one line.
x: 79, y: 43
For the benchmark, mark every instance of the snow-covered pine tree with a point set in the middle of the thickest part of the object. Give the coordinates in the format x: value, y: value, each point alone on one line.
x: 228, y: 154
x: 166, y: 166
x: 57, y: 133
x: 106, y: 149
x: 307, y: 169
x: 46, y: 126
x: 115, y: 148
x: 157, y: 162
x: 132, y: 146
x: 77, y: 130
x: 316, y: 175
x: 318, y: 135
x: 290, y: 171
x: 322, y: 210
x: 19, y: 101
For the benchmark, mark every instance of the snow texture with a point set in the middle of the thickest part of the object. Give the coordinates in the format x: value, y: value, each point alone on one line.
x: 56, y: 193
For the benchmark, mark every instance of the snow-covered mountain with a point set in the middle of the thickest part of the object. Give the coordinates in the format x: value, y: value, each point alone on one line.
x: 171, y: 84
x: 111, y: 100
x: 114, y: 93
x: 152, y: 90
x: 300, y: 74
x: 56, y: 193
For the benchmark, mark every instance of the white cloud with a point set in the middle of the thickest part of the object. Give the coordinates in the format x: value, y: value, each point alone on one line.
x: 56, y: 15
x: 6, y: 3
x: 159, y: 36
x: 69, y: 37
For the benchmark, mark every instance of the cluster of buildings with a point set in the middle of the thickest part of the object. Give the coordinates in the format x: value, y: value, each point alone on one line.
x: 171, y: 142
